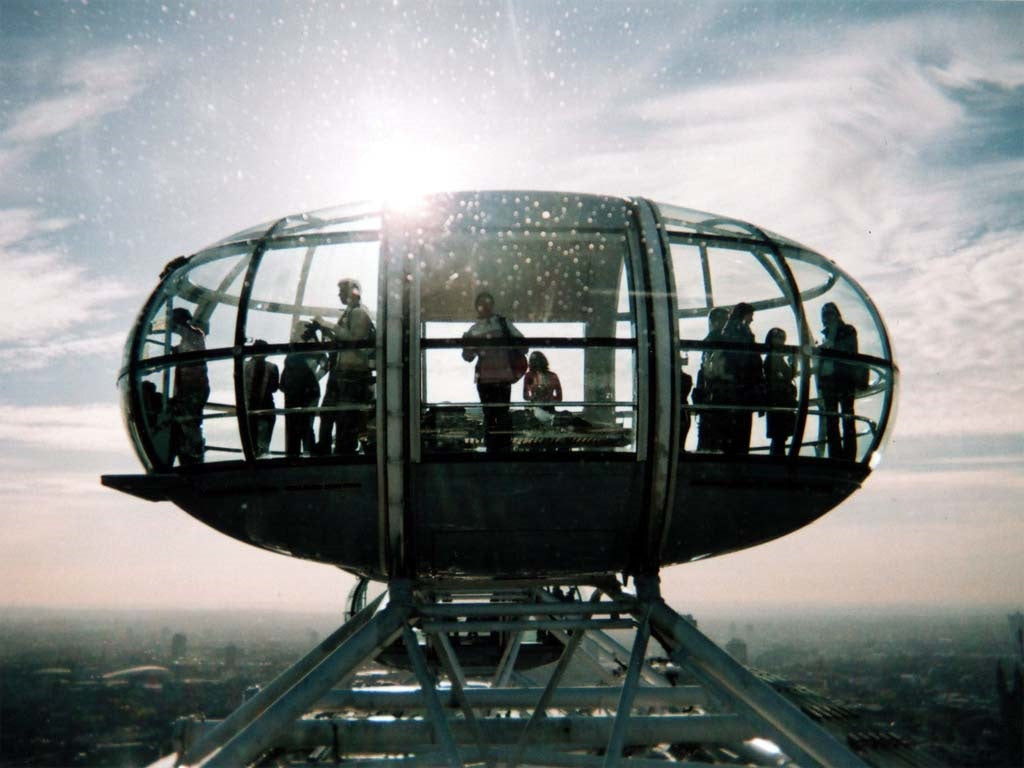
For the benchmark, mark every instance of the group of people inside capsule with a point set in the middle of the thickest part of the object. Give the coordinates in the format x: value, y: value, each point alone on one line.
x: 731, y: 376
x: 350, y: 381
x: 736, y: 375
x: 343, y: 409
x: 347, y: 394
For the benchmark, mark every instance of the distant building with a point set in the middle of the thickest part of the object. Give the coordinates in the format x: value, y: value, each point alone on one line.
x: 179, y: 646
x: 737, y: 649
x: 1017, y: 629
x: 1010, y: 687
x: 231, y: 654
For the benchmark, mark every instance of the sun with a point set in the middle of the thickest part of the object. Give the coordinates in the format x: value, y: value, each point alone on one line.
x: 401, y: 169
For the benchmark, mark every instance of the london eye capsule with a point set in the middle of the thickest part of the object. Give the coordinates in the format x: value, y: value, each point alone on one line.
x: 350, y: 386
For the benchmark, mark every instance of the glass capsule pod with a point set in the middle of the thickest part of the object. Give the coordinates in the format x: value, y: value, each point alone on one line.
x: 506, y: 385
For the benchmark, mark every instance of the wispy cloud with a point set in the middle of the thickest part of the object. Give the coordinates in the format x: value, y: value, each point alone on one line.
x: 44, y: 293
x: 864, y: 151
x: 63, y: 427
x: 17, y: 356
x: 89, y: 87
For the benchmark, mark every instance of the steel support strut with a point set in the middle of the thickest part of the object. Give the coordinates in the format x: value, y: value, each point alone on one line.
x: 799, y: 736
x: 260, y: 734
x: 597, y: 703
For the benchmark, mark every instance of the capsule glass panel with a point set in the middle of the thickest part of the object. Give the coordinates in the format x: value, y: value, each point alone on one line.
x: 176, y: 379
x: 558, y: 302
x: 725, y: 379
x: 210, y: 289
x: 296, y: 300
x: 850, y: 397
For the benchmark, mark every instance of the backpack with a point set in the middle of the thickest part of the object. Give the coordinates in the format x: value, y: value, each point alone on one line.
x: 517, y: 361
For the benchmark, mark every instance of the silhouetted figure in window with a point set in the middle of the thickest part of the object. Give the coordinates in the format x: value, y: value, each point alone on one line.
x: 781, y: 391
x: 191, y: 390
x: 152, y: 404
x: 300, y: 382
x: 837, y: 384
x: 541, y: 384
x: 709, y: 423
x: 261, y: 380
x: 742, y: 381
x: 350, y: 383
x: 158, y: 420
x: 497, y: 369
x: 685, y: 388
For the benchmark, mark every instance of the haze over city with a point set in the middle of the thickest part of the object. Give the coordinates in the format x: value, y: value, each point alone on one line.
x: 887, y: 136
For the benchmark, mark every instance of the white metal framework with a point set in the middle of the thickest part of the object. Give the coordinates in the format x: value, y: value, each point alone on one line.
x: 604, y: 700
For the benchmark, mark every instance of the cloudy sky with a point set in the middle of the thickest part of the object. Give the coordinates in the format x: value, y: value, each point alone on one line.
x: 889, y: 136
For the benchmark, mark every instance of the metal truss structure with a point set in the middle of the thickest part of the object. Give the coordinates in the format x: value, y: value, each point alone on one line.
x: 431, y: 674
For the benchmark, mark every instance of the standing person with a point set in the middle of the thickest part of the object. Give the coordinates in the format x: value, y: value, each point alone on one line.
x: 191, y: 390
x: 709, y: 423
x: 350, y: 382
x: 781, y: 391
x: 497, y: 369
x: 261, y: 380
x: 541, y: 384
x: 742, y: 380
x: 837, y: 384
x: 300, y: 382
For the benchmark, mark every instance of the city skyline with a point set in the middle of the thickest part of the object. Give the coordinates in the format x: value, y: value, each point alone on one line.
x: 888, y: 138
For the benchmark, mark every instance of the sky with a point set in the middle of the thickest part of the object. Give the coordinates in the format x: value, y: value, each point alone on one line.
x: 889, y: 136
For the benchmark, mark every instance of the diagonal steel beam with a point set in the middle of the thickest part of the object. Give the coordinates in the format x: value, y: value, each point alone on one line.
x: 799, y: 736
x: 254, y: 707
x: 613, y: 753
x: 540, y: 711
x: 437, y: 717
x: 260, y: 734
x: 446, y: 654
x: 503, y: 672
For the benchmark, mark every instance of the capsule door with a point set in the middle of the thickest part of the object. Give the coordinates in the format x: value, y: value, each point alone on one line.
x: 526, y: 430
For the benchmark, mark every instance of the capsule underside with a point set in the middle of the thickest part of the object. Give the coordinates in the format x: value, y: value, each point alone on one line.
x: 626, y: 472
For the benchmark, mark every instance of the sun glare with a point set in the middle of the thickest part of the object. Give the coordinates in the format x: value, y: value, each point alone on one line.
x: 400, y: 171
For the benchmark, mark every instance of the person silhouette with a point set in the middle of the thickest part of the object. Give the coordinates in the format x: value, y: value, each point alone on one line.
x: 742, y: 381
x: 837, y: 383
x: 781, y: 391
x: 261, y: 380
x: 300, y: 382
x: 541, y: 384
x: 191, y: 390
x: 710, y: 423
x: 495, y: 371
x: 350, y: 383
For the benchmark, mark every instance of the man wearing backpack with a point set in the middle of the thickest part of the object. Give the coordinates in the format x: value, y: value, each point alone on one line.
x: 350, y: 382
x: 497, y: 369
